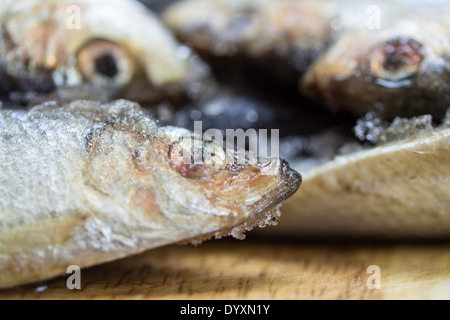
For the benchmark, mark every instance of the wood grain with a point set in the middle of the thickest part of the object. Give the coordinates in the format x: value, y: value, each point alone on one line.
x: 230, y: 269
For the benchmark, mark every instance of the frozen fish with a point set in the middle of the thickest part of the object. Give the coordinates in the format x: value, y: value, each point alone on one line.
x: 87, y: 183
x: 99, y: 50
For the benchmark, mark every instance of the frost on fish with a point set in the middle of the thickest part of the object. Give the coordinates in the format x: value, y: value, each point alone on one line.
x: 87, y: 183
x: 374, y: 129
x: 92, y: 49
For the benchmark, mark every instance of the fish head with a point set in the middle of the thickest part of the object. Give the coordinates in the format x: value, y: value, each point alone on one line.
x: 175, y: 181
x: 402, y: 69
x: 225, y: 189
x: 110, y: 49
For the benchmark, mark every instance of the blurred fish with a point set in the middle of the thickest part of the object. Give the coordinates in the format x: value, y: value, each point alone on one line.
x: 88, y: 183
x: 288, y: 34
x: 91, y: 49
x: 387, y: 56
x: 402, y: 69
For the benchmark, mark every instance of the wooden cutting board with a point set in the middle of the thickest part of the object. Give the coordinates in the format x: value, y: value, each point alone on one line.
x: 229, y: 269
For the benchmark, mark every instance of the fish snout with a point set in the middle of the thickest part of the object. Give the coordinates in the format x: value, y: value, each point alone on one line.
x: 289, y: 178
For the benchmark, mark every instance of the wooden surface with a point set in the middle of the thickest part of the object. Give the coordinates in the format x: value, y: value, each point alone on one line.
x: 231, y: 269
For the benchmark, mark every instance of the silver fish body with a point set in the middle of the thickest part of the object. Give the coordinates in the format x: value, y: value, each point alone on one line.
x: 88, y: 183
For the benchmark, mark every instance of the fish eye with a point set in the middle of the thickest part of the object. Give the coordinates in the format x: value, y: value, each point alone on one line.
x: 182, y: 156
x: 182, y: 161
x: 105, y: 63
x: 397, y: 59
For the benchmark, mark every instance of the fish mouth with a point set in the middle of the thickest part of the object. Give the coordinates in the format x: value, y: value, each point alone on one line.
x: 290, y: 179
x: 289, y: 182
x: 265, y: 211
